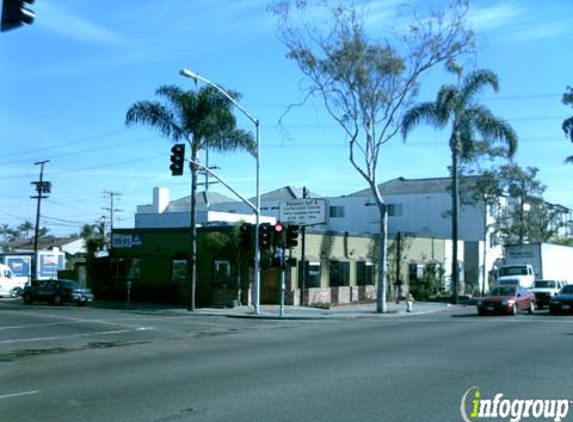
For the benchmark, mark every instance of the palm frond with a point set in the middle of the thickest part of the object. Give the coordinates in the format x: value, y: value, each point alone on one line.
x: 476, y: 81
x: 422, y: 113
x: 493, y: 129
x: 156, y: 116
x: 567, y: 127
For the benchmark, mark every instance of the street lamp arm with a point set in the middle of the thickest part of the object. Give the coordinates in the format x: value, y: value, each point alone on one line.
x: 241, y: 197
x: 189, y: 74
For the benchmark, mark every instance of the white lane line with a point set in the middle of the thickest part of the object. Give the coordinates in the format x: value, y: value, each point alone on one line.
x: 25, y: 393
x: 101, y: 333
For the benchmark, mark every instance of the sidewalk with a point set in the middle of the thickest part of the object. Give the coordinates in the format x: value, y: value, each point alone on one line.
x: 272, y: 312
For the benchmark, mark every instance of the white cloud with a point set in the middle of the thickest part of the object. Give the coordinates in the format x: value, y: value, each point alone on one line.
x: 493, y: 17
x: 66, y: 23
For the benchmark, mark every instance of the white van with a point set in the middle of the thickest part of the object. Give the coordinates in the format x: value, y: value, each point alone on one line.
x: 10, y: 285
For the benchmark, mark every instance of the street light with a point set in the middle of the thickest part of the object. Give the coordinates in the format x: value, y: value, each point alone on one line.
x: 189, y: 74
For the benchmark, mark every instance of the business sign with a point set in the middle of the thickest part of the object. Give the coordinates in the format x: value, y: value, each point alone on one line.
x: 303, y: 212
x: 125, y: 241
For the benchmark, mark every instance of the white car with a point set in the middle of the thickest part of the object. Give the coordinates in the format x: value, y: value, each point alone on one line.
x: 544, y: 290
x: 10, y: 285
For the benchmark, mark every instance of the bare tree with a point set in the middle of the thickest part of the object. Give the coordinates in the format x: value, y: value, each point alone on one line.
x: 366, y: 84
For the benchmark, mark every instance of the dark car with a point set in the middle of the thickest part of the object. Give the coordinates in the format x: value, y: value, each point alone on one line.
x: 507, y: 300
x: 563, y: 301
x: 57, y: 292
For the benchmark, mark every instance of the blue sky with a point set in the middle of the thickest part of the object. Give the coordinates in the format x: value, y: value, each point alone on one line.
x: 68, y: 80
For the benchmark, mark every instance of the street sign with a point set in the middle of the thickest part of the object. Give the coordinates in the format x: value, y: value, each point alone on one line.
x: 303, y: 212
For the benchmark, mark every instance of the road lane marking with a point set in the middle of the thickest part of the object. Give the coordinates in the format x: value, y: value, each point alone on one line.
x: 25, y: 393
x: 71, y: 336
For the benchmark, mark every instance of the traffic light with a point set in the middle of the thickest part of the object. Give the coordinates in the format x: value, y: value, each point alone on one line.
x: 177, y: 159
x: 291, y: 236
x: 265, y: 236
x: 278, y: 235
x: 14, y: 14
x: 245, y: 240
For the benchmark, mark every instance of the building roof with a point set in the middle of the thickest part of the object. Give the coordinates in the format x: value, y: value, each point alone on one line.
x: 402, y: 185
x: 286, y: 193
x: 45, y: 243
x: 203, y: 197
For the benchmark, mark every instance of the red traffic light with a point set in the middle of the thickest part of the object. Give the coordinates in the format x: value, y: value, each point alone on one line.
x: 279, y: 228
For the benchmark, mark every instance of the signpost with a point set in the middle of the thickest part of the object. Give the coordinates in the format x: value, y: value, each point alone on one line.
x: 303, y: 212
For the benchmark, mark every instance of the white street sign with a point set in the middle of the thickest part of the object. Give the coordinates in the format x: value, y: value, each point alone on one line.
x: 303, y: 212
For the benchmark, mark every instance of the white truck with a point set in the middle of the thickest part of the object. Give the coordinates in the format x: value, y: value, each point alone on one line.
x: 10, y: 284
x: 523, y: 264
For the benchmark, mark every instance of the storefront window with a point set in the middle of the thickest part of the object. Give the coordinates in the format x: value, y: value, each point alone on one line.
x: 339, y: 273
x: 222, y: 273
x: 364, y: 273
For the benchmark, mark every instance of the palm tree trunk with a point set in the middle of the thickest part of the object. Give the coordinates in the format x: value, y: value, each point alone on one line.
x: 455, y: 202
x: 193, y: 231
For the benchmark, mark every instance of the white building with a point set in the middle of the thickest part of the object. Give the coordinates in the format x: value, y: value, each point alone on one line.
x: 417, y: 207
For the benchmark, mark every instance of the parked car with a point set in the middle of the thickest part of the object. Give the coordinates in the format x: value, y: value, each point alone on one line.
x: 507, y: 300
x: 563, y: 301
x: 57, y: 292
x: 544, y: 290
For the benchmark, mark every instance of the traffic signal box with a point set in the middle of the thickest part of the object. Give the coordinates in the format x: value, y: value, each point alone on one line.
x: 246, y: 236
x: 291, y: 237
x: 15, y: 14
x: 265, y: 236
x: 177, y: 159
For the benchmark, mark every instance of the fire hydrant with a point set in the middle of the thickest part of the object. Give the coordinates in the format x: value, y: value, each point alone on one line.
x: 409, y: 303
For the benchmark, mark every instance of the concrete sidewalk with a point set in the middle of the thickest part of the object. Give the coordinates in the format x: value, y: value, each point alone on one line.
x: 335, y: 312
x: 350, y: 311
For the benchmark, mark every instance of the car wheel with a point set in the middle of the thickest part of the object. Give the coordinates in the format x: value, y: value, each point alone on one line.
x: 514, y: 309
x: 27, y: 299
x: 57, y: 300
x: 16, y: 292
x: 531, y: 307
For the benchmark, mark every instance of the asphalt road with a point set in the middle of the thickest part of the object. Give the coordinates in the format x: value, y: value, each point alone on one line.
x: 87, y: 364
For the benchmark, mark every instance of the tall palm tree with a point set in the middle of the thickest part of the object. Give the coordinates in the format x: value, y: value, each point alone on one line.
x: 471, y: 124
x: 200, y: 118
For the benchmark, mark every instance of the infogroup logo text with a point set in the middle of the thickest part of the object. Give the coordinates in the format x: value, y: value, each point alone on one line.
x: 474, y: 406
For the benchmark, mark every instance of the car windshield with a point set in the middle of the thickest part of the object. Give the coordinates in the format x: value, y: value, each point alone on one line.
x: 567, y: 289
x: 502, y: 291
x: 516, y: 270
x: 548, y: 284
x: 70, y: 284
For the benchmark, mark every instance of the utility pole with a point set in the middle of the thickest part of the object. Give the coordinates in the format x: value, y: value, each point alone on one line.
x: 42, y: 187
x: 303, y: 253
x: 111, y: 196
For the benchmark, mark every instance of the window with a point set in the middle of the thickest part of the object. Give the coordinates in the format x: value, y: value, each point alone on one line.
x: 312, y: 278
x: 395, y: 210
x: 364, y: 273
x: 222, y: 272
x: 339, y: 274
x: 134, y: 268
x: 179, y: 269
x: 336, y: 211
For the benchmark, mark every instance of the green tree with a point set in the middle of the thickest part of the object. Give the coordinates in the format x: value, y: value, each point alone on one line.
x: 471, y: 124
x: 25, y: 228
x: 367, y: 84
x: 200, y: 118
x: 568, y: 123
x: 94, y: 236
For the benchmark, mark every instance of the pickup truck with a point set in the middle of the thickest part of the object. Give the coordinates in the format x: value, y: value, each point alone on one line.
x: 544, y: 290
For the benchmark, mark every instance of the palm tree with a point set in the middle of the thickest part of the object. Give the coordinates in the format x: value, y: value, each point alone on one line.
x: 200, y: 118
x: 567, y: 125
x: 456, y: 105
